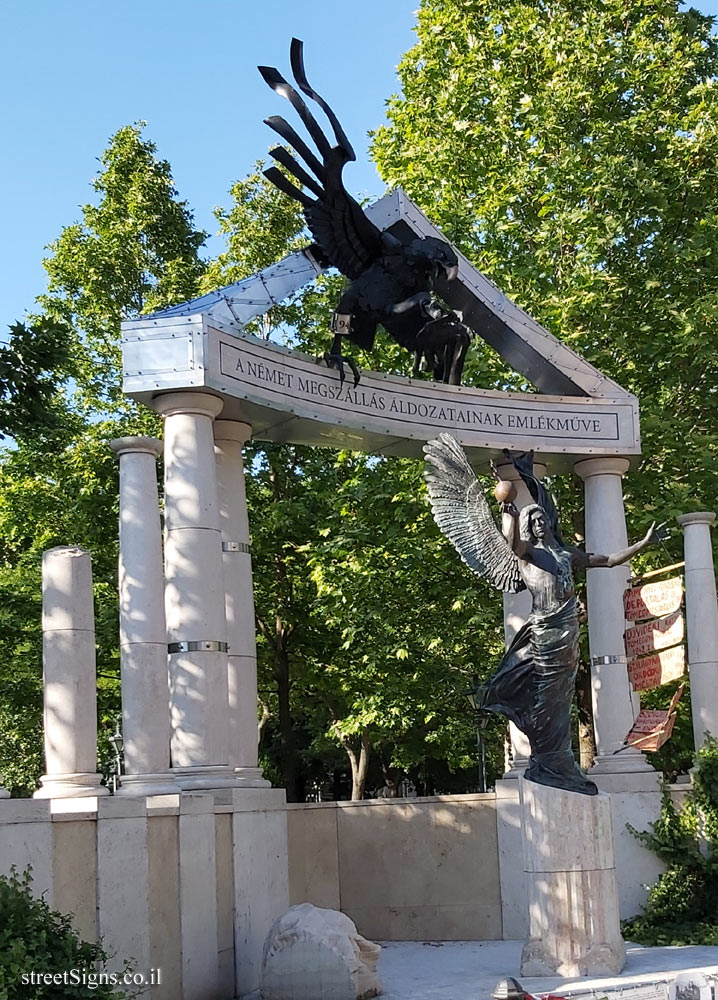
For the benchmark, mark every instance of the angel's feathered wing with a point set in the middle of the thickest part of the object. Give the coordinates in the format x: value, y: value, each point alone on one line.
x: 345, y: 235
x: 463, y: 515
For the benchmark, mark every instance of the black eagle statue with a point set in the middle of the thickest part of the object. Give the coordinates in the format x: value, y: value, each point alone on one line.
x: 390, y: 283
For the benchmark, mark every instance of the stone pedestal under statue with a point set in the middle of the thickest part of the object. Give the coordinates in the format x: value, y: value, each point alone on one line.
x: 573, y: 922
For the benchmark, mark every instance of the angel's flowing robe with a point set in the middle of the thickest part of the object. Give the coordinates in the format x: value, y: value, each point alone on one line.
x: 534, y: 684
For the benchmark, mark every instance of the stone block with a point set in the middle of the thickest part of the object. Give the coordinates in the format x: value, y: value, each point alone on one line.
x: 74, y: 873
x: 198, y: 898
x: 123, y: 919
x: 574, y: 927
x: 382, y: 844
x: 313, y: 854
x: 514, y: 901
x: 164, y: 903
x: 26, y: 845
x: 261, y: 881
x: 316, y: 954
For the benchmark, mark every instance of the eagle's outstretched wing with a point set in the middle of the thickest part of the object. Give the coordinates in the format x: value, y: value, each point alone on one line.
x: 463, y: 515
x: 345, y: 235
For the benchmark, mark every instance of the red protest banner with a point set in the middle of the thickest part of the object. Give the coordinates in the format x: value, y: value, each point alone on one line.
x: 659, y: 634
x: 653, y: 600
x: 655, y: 739
x: 653, y: 726
x: 652, y: 671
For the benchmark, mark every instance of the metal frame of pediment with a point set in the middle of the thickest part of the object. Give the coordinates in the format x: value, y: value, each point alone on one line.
x: 203, y: 345
x: 524, y: 344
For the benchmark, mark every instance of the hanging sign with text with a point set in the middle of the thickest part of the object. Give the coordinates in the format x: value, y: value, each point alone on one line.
x: 653, y: 726
x: 660, y: 668
x: 653, y: 600
x: 648, y: 637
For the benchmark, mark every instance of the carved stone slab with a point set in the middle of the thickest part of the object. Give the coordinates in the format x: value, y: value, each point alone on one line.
x: 317, y: 954
x: 287, y: 396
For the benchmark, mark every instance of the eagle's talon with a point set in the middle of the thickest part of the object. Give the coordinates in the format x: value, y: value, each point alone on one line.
x: 338, y: 361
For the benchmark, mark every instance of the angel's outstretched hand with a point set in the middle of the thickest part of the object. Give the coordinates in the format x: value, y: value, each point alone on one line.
x: 656, y: 533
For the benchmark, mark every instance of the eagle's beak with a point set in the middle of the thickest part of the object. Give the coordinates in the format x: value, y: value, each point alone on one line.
x: 451, y: 272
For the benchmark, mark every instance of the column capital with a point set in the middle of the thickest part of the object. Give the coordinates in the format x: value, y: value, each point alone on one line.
x: 136, y: 445
x: 204, y: 403
x: 232, y: 430
x: 700, y: 517
x: 606, y: 465
x: 509, y: 472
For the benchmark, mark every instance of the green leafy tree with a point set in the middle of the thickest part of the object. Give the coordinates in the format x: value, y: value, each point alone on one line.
x: 681, y: 905
x: 134, y: 250
x: 260, y: 227
x: 569, y: 150
x: 34, y: 364
x: 413, y: 627
x: 289, y: 491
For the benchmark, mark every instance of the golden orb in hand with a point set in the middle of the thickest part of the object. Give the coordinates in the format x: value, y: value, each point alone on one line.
x: 504, y: 491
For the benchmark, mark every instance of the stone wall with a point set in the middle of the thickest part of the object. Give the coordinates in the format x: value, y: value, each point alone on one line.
x: 190, y: 884
x: 185, y: 884
x: 402, y: 869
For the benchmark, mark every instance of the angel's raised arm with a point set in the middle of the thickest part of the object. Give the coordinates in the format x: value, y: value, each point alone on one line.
x: 463, y: 515
x: 510, y: 530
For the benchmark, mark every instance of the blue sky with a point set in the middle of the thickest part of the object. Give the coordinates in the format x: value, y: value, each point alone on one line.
x: 79, y: 70
x: 72, y: 72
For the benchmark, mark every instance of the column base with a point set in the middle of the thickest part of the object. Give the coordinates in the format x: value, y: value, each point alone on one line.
x: 140, y: 785
x: 251, y: 777
x: 70, y: 786
x: 517, y: 768
x: 206, y: 776
x: 621, y: 763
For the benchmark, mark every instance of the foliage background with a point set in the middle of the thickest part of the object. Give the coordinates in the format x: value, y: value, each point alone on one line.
x: 569, y: 150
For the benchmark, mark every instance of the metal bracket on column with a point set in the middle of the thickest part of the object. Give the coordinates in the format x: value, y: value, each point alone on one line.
x: 198, y: 645
x: 612, y: 658
x: 236, y: 547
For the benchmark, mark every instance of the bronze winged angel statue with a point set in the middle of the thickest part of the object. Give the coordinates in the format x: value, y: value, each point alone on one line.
x: 390, y: 283
x: 534, y: 683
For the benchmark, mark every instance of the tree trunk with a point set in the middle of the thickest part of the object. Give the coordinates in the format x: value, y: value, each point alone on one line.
x: 262, y: 723
x: 287, y: 752
x: 278, y: 638
x: 586, y: 738
x: 359, y: 764
x: 392, y: 778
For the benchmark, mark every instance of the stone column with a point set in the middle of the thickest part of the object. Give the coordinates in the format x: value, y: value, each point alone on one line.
x: 69, y: 675
x: 701, y: 623
x: 143, y: 635
x: 613, y: 700
x: 229, y: 437
x: 194, y: 593
x: 517, y: 608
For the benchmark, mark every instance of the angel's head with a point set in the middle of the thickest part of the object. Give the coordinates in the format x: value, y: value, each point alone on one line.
x: 533, y: 524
